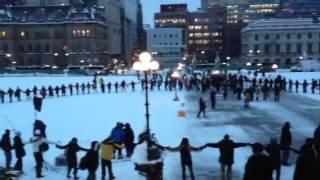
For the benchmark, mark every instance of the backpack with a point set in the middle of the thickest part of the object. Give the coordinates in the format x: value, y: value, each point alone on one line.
x: 44, y: 147
x: 84, y: 162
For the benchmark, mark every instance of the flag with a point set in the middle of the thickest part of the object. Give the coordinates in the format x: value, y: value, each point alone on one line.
x: 37, y: 103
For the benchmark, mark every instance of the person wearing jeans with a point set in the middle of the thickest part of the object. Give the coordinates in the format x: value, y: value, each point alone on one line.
x: 107, y: 148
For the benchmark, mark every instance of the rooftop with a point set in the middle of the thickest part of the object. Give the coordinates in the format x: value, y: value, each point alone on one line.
x: 285, y: 24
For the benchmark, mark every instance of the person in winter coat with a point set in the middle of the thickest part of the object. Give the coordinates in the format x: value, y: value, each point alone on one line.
x: 202, y: 108
x: 304, y: 86
x: 247, y: 98
x: 285, y: 141
x: 277, y: 90
x: 213, y: 98
x: 129, y: 139
x: 226, y: 159
x: 39, y: 125
x: 17, y: 94
x: 259, y: 165
x: 6, y: 146
x: 274, y: 151
x: 18, y: 146
x: 316, y: 137
x: 71, y: 155
x: 307, y: 165
x: 118, y: 135
x: 258, y: 92
x: 92, y: 160
x: 186, y: 160
x: 37, y: 142
x: 107, y: 148
x: 10, y: 93
x: 2, y: 94
x: 297, y: 86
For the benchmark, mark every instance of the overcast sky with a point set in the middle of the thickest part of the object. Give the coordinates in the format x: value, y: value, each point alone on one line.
x: 152, y: 6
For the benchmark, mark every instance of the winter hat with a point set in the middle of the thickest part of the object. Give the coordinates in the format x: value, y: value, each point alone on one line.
x: 37, y: 132
x: 18, y: 133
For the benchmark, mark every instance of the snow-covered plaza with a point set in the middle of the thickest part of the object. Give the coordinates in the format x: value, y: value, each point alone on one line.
x: 92, y: 116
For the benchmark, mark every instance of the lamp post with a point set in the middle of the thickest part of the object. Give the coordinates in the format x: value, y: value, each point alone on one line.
x: 146, y: 65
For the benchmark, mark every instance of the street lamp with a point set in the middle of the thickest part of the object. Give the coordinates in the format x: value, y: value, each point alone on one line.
x: 146, y: 65
x: 275, y: 67
x: 175, y: 75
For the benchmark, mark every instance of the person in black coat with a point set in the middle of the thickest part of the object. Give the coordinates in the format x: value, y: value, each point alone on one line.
x: 307, y: 165
x: 6, y: 146
x: 19, y: 151
x: 63, y: 90
x: 185, y: 153
x: 35, y: 90
x: 2, y: 94
x: 10, y: 93
x: 17, y: 94
x: 274, y: 151
x: 77, y: 86
x: 304, y: 86
x: 92, y: 161
x: 39, y: 125
x: 70, y: 86
x: 202, y: 108
x: 285, y: 141
x: 129, y: 139
x: 213, y: 98
x: 258, y: 166
x: 297, y: 86
x: 71, y: 154
x: 226, y: 159
x: 50, y: 92
x: 28, y: 93
x: 109, y: 87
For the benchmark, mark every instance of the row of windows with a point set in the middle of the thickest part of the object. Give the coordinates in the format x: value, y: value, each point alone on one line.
x: 204, y: 41
x: 288, y: 36
x: 41, y: 34
x: 171, y: 21
x: 198, y: 27
x: 214, y: 34
x: 165, y: 35
x: 288, y: 48
x: 81, y: 33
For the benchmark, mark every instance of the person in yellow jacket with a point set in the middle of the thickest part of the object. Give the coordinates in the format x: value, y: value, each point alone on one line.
x: 107, y: 147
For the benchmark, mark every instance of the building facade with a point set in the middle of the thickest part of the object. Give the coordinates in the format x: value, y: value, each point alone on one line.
x: 205, y: 35
x: 172, y: 15
x: 53, y: 35
x: 167, y: 45
x: 281, y: 41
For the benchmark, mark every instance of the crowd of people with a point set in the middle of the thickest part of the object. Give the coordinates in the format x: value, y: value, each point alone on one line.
x: 241, y: 85
x: 121, y: 137
x: 265, y: 160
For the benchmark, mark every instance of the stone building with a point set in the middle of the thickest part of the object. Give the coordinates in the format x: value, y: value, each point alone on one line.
x: 53, y: 35
x: 281, y: 41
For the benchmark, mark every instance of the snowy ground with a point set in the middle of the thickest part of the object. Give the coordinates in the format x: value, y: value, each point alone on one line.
x: 91, y: 117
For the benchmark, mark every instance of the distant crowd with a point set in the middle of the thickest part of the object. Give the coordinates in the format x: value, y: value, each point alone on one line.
x: 265, y: 160
x: 241, y: 85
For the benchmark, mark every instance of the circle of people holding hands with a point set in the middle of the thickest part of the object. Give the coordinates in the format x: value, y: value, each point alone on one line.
x: 265, y: 160
x: 241, y: 85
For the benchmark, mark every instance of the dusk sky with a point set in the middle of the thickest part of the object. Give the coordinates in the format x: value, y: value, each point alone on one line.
x: 152, y: 6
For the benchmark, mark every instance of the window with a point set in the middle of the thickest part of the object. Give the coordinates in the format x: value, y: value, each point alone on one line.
x: 256, y: 37
x: 277, y: 36
x: 319, y: 47
x: 21, y: 48
x: 170, y: 35
x: 29, y: 47
x: 267, y: 49
x: 310, y: 47
x: 5, y: 48
x: 154, y: 35
x: 288, y: 36
x: 47, y: 47
x: 309, y: 35
x: 299, y: 36
x: 256, y: 48
x: 299, y: 48
x: 38, y: 48
x: 267, y: 37
x: 288, y: 48
x: 288, y: 62
x: 278, y: 48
